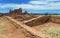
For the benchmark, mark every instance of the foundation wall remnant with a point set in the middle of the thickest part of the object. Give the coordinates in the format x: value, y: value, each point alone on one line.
x: 39, y: 21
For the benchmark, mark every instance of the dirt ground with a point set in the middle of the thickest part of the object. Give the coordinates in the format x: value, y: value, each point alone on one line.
x: 49, y: 28
x: 11, y: 31
x: 48, y: 24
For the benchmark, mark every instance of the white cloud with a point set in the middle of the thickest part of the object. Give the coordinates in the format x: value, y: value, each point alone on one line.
x: 29, y: 6
x: 51, y: 0
x: 45, y: 0
x: 37, y: 2
x: 34, y: 5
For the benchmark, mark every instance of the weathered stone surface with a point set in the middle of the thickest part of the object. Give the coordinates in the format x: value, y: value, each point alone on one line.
x: 16, y: 12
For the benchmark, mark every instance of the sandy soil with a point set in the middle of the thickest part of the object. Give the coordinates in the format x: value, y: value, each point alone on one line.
x: 11, y: 31
x: 38, y: 27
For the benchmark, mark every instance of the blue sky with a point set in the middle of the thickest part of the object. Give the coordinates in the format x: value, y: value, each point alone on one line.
x: 32, y: 6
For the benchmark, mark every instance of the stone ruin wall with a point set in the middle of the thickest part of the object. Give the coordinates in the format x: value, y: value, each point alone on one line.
x: 16, y: 12
x: 43, y: 20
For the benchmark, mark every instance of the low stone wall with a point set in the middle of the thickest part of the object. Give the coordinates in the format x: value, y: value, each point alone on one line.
x: 39, y: 21
x: 44, y: 19
x: 55, y: 19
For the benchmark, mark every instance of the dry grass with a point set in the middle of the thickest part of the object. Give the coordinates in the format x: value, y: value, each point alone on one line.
x: 3, y: 36
x: 2, y: 25
x: 54, y: 31
x: 2, y: 29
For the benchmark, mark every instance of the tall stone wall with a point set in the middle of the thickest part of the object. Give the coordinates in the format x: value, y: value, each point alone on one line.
x: 15, y: 12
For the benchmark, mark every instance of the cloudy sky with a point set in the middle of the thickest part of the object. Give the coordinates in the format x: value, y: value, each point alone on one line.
x: 32, y: 6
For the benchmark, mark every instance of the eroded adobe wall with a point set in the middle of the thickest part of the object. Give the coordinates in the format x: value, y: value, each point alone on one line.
x: 39, y: 21
x: 15, y: 12
x: 55, y: 19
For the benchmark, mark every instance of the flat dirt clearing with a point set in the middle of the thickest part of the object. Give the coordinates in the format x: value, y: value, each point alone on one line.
x: 51, y: 29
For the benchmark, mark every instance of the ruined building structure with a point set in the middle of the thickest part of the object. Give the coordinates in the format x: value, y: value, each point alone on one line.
x: 16, y: 12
